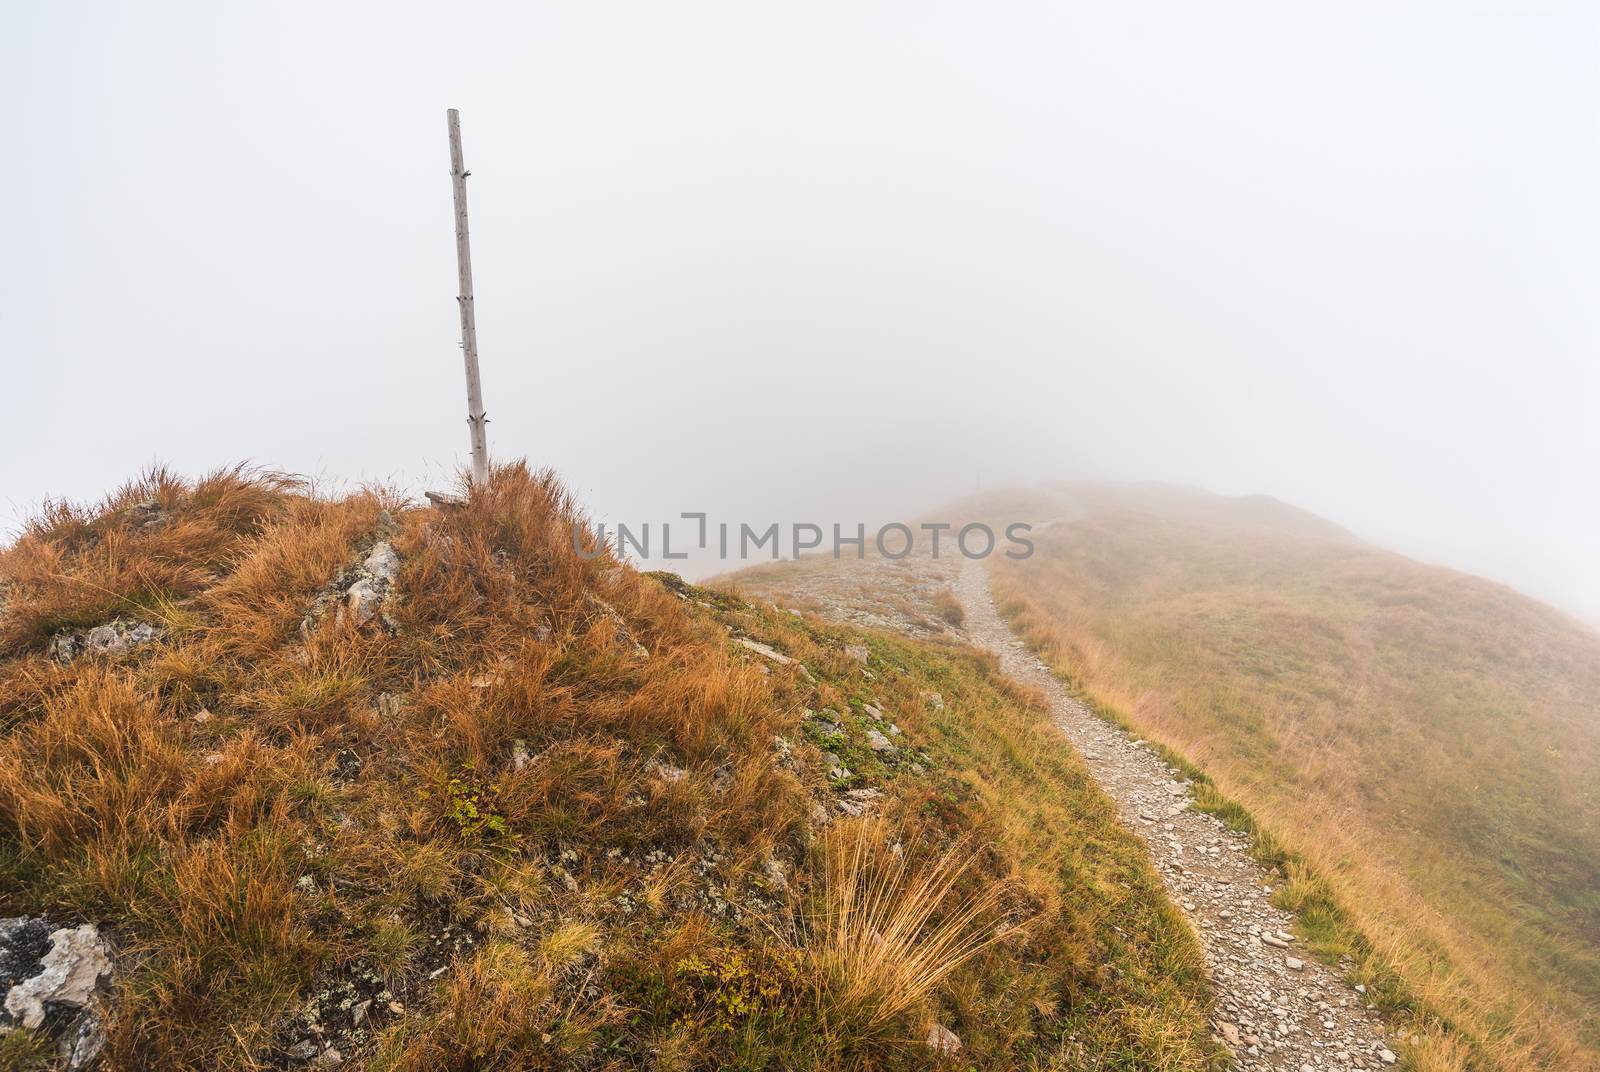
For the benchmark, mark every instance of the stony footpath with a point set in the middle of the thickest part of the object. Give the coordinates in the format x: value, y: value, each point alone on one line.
x: 1277, y: 1008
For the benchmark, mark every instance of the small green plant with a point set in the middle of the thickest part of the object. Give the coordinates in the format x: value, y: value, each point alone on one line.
x: 726, y: 992
x: 469, y: 804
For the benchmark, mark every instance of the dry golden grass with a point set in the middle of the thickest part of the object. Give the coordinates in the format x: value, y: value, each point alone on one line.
x: 949, y: 608
x: 887, y: 933
x: 1422, y: 740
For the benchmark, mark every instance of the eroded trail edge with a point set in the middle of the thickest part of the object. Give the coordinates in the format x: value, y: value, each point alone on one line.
x: 1276, y: 1007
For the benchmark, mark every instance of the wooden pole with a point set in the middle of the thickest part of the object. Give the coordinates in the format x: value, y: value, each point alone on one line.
x: 469, y: 324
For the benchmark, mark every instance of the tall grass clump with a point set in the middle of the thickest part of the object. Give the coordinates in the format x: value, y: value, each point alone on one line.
x: 889, y: 929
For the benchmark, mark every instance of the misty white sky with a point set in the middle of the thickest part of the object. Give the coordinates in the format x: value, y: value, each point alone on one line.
x: 796, y: 261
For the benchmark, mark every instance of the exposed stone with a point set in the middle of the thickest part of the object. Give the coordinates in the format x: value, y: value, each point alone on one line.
x: 943, y: 1041
x: 82, y: 1042
x: 382, y: 563
x: 878, y: 742
x: 361, y: 601
x: 59, y: 974
x: 765, y: 651
x: 148, y: 514
x: 667, y: 772
x: 364, y: 598
x: 858, y: 652
x: 23, y: 943
x: 116, y: 637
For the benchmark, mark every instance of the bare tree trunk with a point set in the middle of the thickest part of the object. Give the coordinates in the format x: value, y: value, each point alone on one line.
x: 469, y: 326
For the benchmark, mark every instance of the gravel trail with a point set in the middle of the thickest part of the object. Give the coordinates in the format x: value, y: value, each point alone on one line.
x: 1277, y: 1007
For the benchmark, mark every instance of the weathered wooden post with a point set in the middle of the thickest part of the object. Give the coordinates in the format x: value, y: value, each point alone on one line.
x: 469, y: 326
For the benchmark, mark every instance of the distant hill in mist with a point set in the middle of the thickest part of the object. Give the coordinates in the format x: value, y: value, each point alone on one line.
x: 1429, y: 738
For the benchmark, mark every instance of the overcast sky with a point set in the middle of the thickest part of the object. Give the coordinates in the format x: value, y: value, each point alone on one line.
x: 785, y: 261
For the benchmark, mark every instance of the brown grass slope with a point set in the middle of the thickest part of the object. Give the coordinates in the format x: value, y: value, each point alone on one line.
x: 1429, y: 741
x: 542, y: 812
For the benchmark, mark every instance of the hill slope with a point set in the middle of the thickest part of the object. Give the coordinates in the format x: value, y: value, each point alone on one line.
x: 347, y: 782
x: 1429, y: 740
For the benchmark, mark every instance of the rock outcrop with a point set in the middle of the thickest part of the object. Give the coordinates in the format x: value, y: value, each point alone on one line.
x: 54, y: 979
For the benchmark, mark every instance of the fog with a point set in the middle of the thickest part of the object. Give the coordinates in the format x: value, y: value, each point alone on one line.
x: 827, y: 260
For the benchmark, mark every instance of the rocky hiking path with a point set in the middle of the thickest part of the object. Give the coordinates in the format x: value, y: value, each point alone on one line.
x: 1277, y: 1008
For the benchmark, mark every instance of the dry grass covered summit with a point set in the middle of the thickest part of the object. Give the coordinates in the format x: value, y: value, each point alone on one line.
x: 539, y: 812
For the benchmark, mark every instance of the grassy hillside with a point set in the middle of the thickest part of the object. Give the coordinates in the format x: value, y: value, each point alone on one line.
x: 345, y: 781
x: 1428, y: 741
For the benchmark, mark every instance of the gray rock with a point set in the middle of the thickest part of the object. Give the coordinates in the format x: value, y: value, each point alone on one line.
x: 304, y: 1050
x: 878, y: 742
x: 858, y: 652
x: 82, y: 1043
x: 362, y: 600
x: 116, y: 637
x: 357, y: 595
x: 777, y: 880
x: 23, y: 943
x: 765, y: 651
x: 382, y: 563
x: 943, y: 1041
x: 148, y: 514
x: 77, y: 965
x: 667, y: 772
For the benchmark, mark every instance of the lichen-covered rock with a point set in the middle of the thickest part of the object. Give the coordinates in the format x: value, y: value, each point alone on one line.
x: 23, y: 943
x: 358, y: 593
x: 382, y: 563
x: 116, y: 637
x: 149, y: 514
x: 364, y: 598
x: 52, y: 978
x: 777, y: 878
x: 69, y: 974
